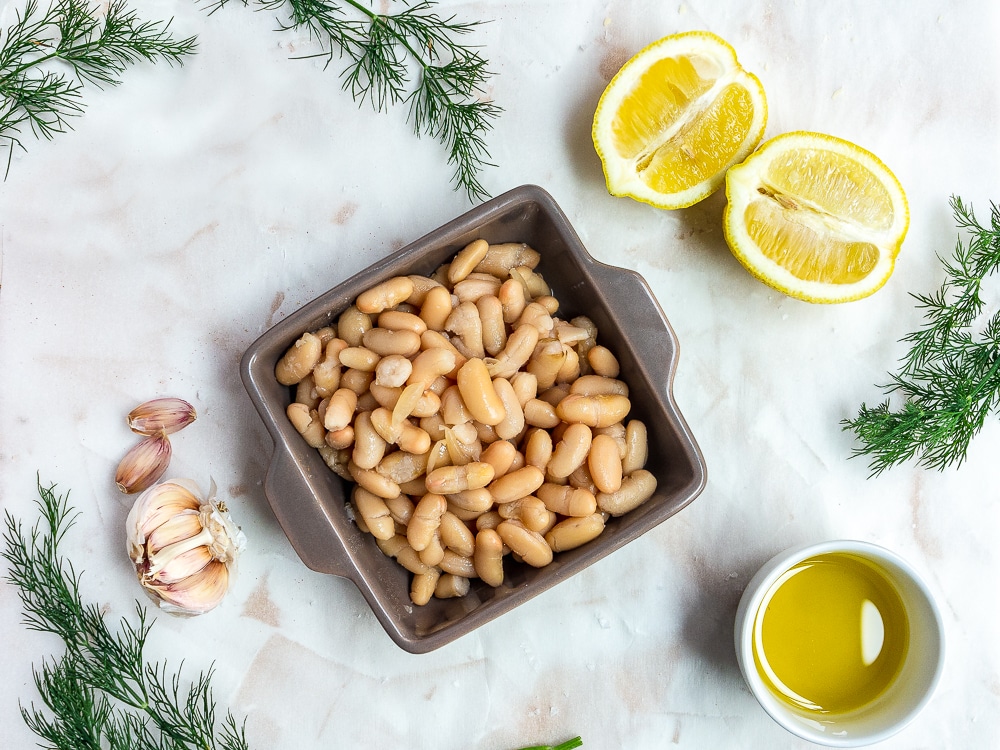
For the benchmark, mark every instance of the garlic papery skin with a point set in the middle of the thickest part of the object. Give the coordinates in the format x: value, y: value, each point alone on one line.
x: 184, y: 546
x: 161, y: 416
x: 144, y: 464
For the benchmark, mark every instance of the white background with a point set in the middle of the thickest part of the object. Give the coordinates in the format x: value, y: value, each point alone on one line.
x: 194, y: 206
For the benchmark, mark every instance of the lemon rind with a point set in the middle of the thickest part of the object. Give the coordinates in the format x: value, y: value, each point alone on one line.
x: 625, y: 186
x: 740, y: 184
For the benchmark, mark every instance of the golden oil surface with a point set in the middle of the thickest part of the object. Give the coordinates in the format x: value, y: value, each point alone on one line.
x: 831, y: 634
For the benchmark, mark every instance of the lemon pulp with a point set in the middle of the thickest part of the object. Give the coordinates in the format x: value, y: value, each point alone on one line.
x: 831, y: 634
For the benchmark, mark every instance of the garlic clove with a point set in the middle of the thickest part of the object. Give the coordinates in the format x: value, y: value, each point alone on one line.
x: 185, y: 560
x: 157, y: 507
x: 143, y: 465
x: 185, y: 565
x: 179, y: 528
x: 196, y: 594
x: 161, y: 416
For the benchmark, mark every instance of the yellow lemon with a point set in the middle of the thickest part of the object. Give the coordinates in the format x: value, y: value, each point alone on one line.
x: 675, y: 118
x: 815, y: 217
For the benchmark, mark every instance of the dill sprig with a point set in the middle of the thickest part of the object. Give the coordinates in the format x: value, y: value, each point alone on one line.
x: 950, y: 378
x: 447, y: 101
x: 101, y: 692
x: 47, y: 56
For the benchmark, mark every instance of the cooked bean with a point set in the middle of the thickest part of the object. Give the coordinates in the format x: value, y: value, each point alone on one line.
x: 473, y: 288
x: 512, y: 423
x: 615, y: 431
x: 393, y: 371
x: 423, y: 585
x: 369, y: 447
x: 299, y: 360
x: 372, y: 481
x: 425, y: 520
x: 546, y: 361
x: 488, y: 557
x: 501, y: 258
x: 516, y: 484
x: 340, y: 438
x: 636, y: 489
x: 359, y: 358
x: 530, y: 511
x: 375, y: 512
x: 595, y: 411
x: 603, y: 361
x: 451, y: 587
x: 571, y: 533
x: 384, y: 296
x: 340, y: 409
x: 515, y: 354
x: 479, y: 393
x: 570, y: 369
x: 326, y: 373
x: 500, y: 455
x: 570, y: 451
x: 306, y: 393
x: 529, y: 545
x: 397, y: 320
x: 512, y: 301
x: 402, y: 467
x: 538, y: 448
x: 352, y: 324
x: 474, y: 500
x: 598, y: 385
x: 455, y: 535
x: 636, y: 446
x: 451, y: 479
x: 566, y: 500
x: 400, y: 508
x: 457, y: 565
x: 436, y: 308
x: 605, y: 464
x: 494, y: 330
x: 308, y: 424
x: 539, y: 413
x: 488, y: 520
x: 466, y: 260
x: 422, y: 285
x: 384, y: 342
x: 358, y: 381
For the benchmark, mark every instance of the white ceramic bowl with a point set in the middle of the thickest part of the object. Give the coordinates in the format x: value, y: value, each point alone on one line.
x: 907, y: 694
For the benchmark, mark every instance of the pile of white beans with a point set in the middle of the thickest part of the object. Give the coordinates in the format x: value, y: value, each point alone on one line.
x: 473, y: 421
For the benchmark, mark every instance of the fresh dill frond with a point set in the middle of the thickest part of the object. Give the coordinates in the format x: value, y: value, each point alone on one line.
x: 102, y: 692
x: 949, y: 380
x: 448, y: 100
x: 47, y: 56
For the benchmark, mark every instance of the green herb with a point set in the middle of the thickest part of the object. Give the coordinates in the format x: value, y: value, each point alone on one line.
x: 950, y: 379
x: 101, y: 693
x: 567, y: 745
x: 47, y: 56
x: 447, y: 101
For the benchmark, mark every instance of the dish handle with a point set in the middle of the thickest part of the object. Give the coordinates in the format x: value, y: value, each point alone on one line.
x: 305, y: 521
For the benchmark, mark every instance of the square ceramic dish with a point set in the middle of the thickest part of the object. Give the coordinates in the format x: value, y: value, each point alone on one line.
x: 308, y: 499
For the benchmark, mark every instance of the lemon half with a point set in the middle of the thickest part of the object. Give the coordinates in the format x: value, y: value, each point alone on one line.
x: 816, y: 217
x: 675, y: 118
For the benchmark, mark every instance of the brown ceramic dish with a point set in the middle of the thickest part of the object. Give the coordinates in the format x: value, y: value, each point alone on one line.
x: 308, y: 499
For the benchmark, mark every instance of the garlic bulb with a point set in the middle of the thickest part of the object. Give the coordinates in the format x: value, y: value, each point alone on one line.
x: 184, y: 546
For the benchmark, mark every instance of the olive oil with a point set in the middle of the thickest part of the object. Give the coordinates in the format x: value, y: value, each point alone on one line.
x: 831, y: 634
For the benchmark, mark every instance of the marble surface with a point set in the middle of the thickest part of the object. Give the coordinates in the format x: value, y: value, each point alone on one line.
x: 192, y: 207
